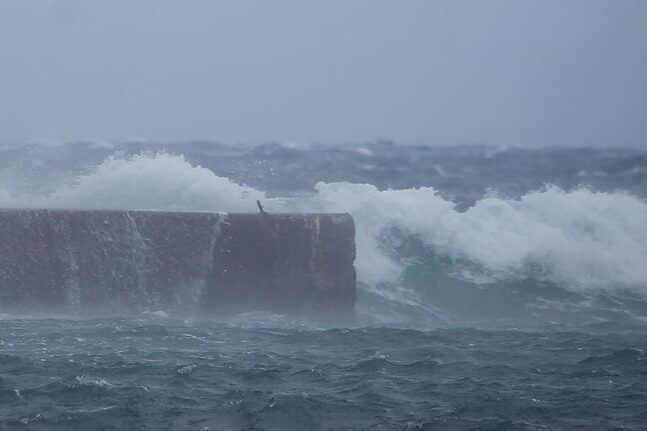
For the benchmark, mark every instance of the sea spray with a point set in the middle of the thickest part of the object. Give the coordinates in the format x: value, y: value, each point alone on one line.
x: 159, y: 181
x: 459, y: 306
x: 579, y: 240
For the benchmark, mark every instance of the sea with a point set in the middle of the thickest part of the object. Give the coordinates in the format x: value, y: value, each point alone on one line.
x: 499, y: 288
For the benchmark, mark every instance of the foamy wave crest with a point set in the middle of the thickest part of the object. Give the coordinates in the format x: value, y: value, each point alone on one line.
x: 161, y: 181
x: 581, y: 238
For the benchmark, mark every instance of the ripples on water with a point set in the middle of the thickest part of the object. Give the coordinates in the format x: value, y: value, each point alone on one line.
x: 166, y: 374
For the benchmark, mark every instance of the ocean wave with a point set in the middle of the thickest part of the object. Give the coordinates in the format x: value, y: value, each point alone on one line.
x: 580, y: 240
x: 158, y: 181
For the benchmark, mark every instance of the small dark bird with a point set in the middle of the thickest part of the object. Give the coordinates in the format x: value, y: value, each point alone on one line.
x: 260, y: 207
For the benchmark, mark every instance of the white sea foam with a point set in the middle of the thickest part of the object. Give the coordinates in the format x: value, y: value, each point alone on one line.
x: 84, y: 380
x: 160, y: 181
x: 578, y: 238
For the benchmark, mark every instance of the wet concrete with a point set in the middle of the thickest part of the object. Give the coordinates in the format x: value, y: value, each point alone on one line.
x: 84, y: 262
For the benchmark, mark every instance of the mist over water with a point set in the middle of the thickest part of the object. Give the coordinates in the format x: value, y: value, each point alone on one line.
x: 501, y: 285
x: 498, y: 288
x: 546, y: 255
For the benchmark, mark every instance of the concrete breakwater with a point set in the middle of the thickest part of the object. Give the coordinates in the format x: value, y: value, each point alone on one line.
x: 107, y: 262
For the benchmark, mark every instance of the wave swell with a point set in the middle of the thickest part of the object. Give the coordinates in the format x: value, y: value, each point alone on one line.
x: 414, y: 246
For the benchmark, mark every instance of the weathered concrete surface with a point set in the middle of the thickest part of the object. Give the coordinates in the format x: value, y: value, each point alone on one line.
x: 202, y: 264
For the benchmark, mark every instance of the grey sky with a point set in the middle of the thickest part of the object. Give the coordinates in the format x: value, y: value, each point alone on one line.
x: 435, y: 72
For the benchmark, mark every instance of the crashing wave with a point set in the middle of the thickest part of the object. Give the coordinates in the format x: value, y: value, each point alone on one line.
x: 415, y: 248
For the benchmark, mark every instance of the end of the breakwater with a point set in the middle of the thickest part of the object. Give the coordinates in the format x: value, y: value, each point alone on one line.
x: 113, y: 263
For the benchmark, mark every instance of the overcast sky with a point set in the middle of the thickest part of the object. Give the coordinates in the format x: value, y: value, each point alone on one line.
x: 426, y: 72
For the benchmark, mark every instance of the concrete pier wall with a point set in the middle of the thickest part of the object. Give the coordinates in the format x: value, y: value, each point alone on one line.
x: 101, y: 263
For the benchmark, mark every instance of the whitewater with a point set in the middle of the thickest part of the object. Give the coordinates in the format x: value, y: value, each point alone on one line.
x: 581, y: 241
x: 495, y: 291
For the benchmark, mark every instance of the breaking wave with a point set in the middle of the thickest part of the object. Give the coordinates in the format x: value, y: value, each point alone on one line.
x: 580, y: 238
x: 418, y: 255
x: 160, y: 181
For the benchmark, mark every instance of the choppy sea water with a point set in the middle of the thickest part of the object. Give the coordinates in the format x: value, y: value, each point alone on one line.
x: 165, y: 374
x: 498, y: 289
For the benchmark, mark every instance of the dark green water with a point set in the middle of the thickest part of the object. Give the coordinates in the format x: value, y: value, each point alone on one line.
x: 155, y: 374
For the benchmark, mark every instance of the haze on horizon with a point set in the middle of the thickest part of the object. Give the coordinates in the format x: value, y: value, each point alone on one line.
x: 499, y: 72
